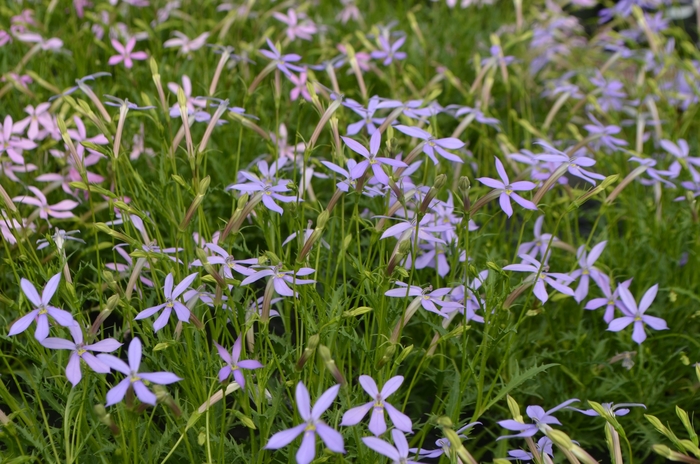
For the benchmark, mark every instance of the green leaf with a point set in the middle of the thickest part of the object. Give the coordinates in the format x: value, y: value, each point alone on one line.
x: 516, y: 382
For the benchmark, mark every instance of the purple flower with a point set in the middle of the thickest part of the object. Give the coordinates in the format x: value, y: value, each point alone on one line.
x: 42, y: 310
x: 377, y: 424
x: 541, y: 418
x: 429, y: 297
x: 610, y: 301
x: 681, y: 151
x: 470, y: 303
x: 227, y: 261
x: 433, y: 145
x: 134, y: 379
x: 348, y: 182
x: 612, y: 93
x: 282, y: 62
x: 536, y: 267
x: 183, y: 313
x: 233, y: 364
x: 443, y: 444
x: 398, y: 453
x: 371, y: 158
x: 543, y: 445
x: 620, y: 409
x: 270, y: 193
x: 311, y: 426
x: 38, y: 116
x: 126, y: 53
x: 540, y: 244
x: 186, y: 44
x: 81, y: 351
x: 635, y: 314
x: 409, y: 228
x: 368, y: 119
x: 573, y: 165
x: 389, y: 52
x: 606, y: 134
x: 280, y: 278
x: 587, y: 269
x: 508, y: 190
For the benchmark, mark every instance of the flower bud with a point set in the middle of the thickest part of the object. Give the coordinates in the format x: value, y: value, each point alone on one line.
x: 308, y: 351
x: 106, y: 419
x: 330, y: 364
x: 463, y: 186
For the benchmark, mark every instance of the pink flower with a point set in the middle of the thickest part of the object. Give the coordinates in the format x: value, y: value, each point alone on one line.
x: 125, y: 53
x: 61, y: 210
x: 300, y: 87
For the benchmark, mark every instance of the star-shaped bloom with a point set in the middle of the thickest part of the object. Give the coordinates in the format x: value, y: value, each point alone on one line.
x: 227, y: 261
x: 377, y: 423
x: 311, y: 426
x: 540, y: 244
x: 186, y: 44
x: 299, y: 87
x: 389, y: 52
x: 233, y: 365
x: 281, y: 278
x: 620, y: 409
x: 171, y: 302
x: 298, y: 26
x: 42, y: 310
x: 398, y: 452
x: 542, y: 420
x: 126, y: 53
x: 134, y: 379
x: 372, y: 160
x: 13, y: 145
x: 433, y: 145
x: 533, y: 266
x: 508, y: 189
x: 270, y: 193
x: 282, y: 62
x: 634, y: 314
x: 443, y: 444
x: 574, y: 165
x: 429, y: 297
x: 38, y: 117
x: 368, y: 121
x: 587, y: 270
x: 81, y: 351
x: 611, y: 300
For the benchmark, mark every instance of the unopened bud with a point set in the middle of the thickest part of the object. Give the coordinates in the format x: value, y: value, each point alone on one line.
x: 330, y: 364
x: 106, y: 419
x: 308, y: 351
x: 560, y: 438
x: 204, y: 259
x: 162, y: 396
x: 388, y: 354
x: 274, y: 259
x: 464, y: 186
x: 433, y: 192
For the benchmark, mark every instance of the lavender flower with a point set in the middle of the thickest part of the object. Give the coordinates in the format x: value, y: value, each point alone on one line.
x: 610, y: 301
x: 233, y: 365
x: 372, y: 160
x: 11, y: 145
x: 536, y: 267
x: 389, y: 52
x: 81, y: 351
x: 368, y: 120
x: 433, y: 145
x: 377, y: 424
x: 280, y: 278
x: 270, y: 193
x: 635, y: 314
x: 134, y: 379
x: 587, y: 269
x: 507, y: 189
x: 540, y: 244
x: 429, y: 297
x: 311, y: 426
x: 183, y: 313
x: 573, y: 165
x: 443, y: 444
x: 304, y: 29
x: 606, y: 134
x: 227, y: 261
x: 282, y: 62
x: 543, y: 445
x: 620, y: 409
x: 186, y: 44
x: 542, y: 419
x: 42, y: 310
x: 398, y: 453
